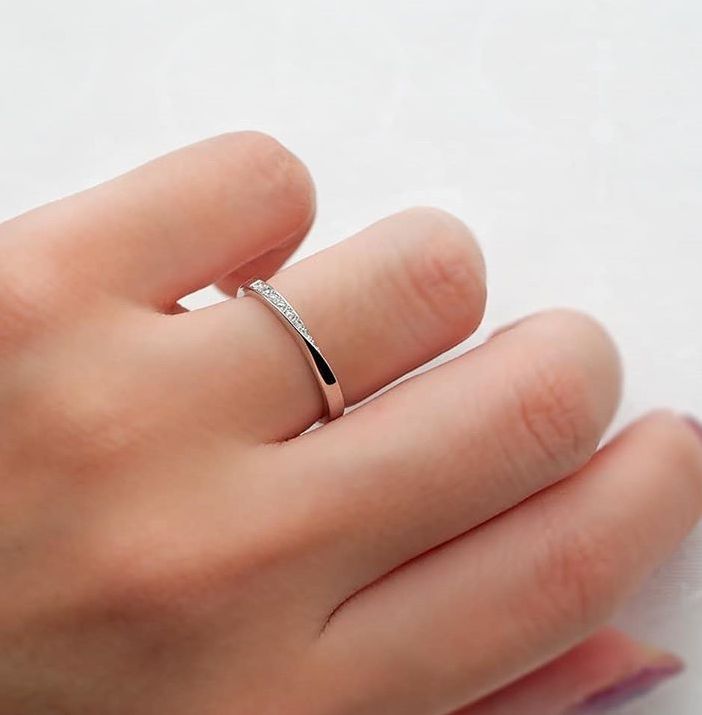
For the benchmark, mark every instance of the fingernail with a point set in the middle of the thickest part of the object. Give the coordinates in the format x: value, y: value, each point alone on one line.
x: 695, y: 424
x: 630, y: 688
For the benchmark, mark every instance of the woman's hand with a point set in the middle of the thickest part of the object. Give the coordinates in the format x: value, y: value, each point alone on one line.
x: 170, y: 544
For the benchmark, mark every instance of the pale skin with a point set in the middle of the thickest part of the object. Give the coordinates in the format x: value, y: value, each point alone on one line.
x: 171, y: 541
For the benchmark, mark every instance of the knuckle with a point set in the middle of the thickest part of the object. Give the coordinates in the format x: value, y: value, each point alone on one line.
x: 178, y: 558
x: 275, y: 168
x: 86, y: 428
x: 575, y: 577
x: 142, y: 562
x: 557, y: 404
x: 30, y: 295
x: 136, y: 576
x: 445, y: 272
x: 554, y: 413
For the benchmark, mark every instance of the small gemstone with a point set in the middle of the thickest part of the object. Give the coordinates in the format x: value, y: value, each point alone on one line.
x: 282, y: 305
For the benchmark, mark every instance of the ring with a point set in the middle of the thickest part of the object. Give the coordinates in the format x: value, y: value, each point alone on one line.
x: 329, y: 385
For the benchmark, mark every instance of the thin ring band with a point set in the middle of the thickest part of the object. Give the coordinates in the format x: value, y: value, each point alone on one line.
x: 281, y: 308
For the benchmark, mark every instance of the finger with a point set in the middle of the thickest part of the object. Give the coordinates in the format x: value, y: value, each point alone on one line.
x: 453, y: 447
x: 177, y: 223
x: 262, y: 266
x: 606, y: 670
x: 387, y: 300
x: 515, y: 593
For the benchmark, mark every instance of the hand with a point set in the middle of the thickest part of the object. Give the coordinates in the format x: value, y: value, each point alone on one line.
x: 170, y: 544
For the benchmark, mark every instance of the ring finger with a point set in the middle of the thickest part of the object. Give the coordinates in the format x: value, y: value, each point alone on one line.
x: 380, y: 304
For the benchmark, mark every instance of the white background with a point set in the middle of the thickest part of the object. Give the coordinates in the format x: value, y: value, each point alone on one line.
x: 567, y: 134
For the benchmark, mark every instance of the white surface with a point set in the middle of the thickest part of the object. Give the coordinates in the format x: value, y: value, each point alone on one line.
x: 566, y: 134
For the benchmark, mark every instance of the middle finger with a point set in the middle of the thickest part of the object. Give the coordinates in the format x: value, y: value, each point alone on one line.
x: 453, y: 447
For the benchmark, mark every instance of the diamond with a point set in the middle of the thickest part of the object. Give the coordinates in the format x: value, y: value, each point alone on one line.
x: 276, y: 300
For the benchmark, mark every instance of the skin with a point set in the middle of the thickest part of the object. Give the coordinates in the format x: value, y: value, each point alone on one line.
x: 171, y: 541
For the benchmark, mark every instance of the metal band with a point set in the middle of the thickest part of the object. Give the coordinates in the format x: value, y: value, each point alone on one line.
x: 329, y: 385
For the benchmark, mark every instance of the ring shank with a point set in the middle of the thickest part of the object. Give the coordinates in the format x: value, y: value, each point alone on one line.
x: 288, y: 316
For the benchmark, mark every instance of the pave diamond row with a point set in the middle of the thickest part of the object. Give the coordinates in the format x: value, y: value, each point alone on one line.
x: 271, y: 295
